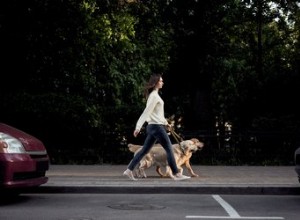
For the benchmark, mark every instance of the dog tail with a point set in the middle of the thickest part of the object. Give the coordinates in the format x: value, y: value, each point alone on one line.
x: 134, y: 147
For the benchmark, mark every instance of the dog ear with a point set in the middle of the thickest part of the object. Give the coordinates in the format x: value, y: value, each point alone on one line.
x: 188, y: 144
x: 185, y: 144
x: 195, y: 140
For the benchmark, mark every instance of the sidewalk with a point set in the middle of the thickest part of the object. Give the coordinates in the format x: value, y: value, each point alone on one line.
x: 212, y: 179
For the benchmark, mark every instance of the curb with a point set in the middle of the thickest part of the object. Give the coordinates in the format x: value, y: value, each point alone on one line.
x: 234, y: 190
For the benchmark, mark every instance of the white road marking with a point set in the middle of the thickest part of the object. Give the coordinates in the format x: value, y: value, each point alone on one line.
x: 228, y: 208
x: 228, y: 217
x: 231, y: 212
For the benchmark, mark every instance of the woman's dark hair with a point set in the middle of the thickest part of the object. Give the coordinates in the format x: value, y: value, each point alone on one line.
x: 153, y: 80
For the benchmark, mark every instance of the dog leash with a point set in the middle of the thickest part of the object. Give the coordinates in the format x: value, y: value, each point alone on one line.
x: 177, y: 137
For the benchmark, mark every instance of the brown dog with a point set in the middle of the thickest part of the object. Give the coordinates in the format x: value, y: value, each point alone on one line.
x: 158, y: 157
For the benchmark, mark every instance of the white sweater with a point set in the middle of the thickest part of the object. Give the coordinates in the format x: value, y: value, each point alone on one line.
x: 154, y: 111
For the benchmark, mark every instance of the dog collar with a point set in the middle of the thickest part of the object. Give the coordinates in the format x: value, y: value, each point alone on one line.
x: 181, y: 148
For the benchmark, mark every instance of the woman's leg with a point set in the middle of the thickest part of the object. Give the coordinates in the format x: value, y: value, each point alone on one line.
x: 163, y: 138
x: 149, y: 142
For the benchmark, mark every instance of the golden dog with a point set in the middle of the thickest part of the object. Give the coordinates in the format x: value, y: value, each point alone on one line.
x: 158, y: 157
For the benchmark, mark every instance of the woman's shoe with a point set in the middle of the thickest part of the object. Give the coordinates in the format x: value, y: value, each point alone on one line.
x: 129, y: 174
x: 179, y: 176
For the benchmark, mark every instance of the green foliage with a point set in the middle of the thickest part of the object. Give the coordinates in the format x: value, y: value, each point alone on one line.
x: 252, y: 75
x: 74, y: 70
x: 85, y: 65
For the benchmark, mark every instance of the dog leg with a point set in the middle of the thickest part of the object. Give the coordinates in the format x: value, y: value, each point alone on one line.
x: 142, y: 173
x: 141, y: 169
x: 158, y: 170
x: 180, y: 170
x: 135, y: 173
x: 169, y: 172
x: 189, y: 167
x: 145, y: 164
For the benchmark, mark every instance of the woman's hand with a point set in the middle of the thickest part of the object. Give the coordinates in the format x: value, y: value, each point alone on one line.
x: 136, y: 132
x: 169, y: 127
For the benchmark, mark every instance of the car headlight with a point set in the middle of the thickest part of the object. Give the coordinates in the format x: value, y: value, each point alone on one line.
x: 9, y: 144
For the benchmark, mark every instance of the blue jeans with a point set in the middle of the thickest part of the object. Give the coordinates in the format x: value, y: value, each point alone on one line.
x: 155, y: 132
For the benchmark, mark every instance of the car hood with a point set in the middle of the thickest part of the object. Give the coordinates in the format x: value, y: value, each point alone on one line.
x: 29, y: 142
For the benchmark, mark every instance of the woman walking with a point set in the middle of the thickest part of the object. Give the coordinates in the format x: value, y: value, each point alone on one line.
x: 153, y: 114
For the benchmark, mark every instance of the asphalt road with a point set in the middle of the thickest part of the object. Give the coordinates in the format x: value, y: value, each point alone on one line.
x: 69, y: 206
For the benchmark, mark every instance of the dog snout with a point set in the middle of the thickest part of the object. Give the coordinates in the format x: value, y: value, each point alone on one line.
x: 200, y: 145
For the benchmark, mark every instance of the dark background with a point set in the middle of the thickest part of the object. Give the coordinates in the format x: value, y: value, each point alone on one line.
x: 72, y: 74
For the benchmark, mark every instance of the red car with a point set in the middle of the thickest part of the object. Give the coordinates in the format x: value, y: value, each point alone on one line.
x: 297, y: 162
x: 23, y: 160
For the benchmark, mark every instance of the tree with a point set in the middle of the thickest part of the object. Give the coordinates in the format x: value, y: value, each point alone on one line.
x: 83, y: 67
